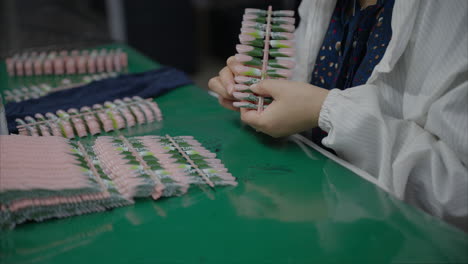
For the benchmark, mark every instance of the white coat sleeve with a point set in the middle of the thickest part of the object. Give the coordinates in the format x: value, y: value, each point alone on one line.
x: 410, y: 129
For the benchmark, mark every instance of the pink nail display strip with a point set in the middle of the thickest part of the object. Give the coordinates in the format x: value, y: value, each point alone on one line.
x: 192, y: 160
x: 128, y: 167
x: 265, y: 50
x: 111, y: 116
x: 57, y: 178
x: 50, y: 177
x: 38, y: 90
x: 67, y: 62
x: 159, y: 166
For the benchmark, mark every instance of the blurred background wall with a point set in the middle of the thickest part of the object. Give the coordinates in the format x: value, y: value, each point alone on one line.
x: 196, y: 36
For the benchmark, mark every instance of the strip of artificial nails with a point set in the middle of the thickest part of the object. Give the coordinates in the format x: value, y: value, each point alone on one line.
x: 262, y: 27
x: 249, y: 97
x: 246, y: 105
x: 282, y: 52
x: 281, y: 63
x: 249, y: 50
x: 277, y: 13
x: 249, y: 40
x: 274, y: 20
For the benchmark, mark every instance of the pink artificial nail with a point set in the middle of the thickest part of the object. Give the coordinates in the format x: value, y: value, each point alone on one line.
x: 28, y: 67
x: 243, y: 57
x: 286, y: 63
x: 58, y: 66
x: 48, y: 67
x: 243, y: 48
x: 241, y: 68
x: 245, y: 38
x: 241, y: 87
x: 70, y: 65
x: 240, y: 96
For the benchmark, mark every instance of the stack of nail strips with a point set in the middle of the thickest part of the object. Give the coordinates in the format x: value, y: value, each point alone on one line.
x: 34, y: 91
x: 193, y: 160
x: 25, y: 93
x: 44, y: 178
x: 155, y: 166
x: 52, y: 177
x: 266, y: 51
x: 91, y: 120
x: 67, y: 62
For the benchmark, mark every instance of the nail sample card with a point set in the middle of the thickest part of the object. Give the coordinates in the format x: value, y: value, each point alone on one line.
x: 53, y: 177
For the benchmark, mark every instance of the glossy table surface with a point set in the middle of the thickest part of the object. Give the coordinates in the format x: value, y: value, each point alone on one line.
x: 292, y: 205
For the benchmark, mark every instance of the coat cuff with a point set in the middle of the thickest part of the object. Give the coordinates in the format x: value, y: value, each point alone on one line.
x: 324, y: 121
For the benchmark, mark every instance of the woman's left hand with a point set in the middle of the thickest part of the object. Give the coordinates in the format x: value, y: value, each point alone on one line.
x: 295, y: 108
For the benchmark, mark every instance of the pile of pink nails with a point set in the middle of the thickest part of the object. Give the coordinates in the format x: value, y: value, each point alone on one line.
x: 53, y: 177
x: 156, y: 166
x: 266, y: 51
x: 93, y: 120
x: 67, y: 62
x: 50, y: 177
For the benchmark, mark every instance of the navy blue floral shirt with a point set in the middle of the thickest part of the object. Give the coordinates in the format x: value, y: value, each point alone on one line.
x: 354, y: 44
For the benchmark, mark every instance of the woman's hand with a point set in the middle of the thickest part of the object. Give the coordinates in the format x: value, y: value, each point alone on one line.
x: 223, y: 84
x: 295, y: 108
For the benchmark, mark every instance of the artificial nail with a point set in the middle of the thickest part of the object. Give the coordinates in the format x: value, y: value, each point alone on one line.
x: 282, y: 52
x: 247, y: 71
x: 249, y: 50
x: 250, y: 40
x: 248, y: 60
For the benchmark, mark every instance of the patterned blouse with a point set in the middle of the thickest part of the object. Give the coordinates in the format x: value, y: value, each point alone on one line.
x: 353, y: 45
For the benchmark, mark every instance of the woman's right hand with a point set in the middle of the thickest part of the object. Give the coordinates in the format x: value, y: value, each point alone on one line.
x: 223, y: 84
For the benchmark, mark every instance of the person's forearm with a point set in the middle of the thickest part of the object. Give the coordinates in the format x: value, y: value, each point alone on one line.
x: 407, y: 159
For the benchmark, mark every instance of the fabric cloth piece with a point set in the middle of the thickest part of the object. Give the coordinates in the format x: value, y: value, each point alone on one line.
x: 147, y: 84
x: 407, y: 124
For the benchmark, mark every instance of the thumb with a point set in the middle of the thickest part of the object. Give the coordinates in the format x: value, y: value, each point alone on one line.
x: 271, y: 88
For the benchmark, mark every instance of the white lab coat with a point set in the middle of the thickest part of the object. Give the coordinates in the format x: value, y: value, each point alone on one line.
x: 408, y: 125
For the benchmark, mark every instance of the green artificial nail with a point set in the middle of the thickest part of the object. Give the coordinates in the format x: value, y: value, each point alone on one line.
x: 252, y: 72
x: 257, y: 52
x: 274, y: 73
x: 277, y: 53
x: 256, y: 42
x: 275, y: 64
x: 254, y: 62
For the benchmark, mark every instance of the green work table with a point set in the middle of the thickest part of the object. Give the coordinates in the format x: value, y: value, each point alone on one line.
x: 292, y: 205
